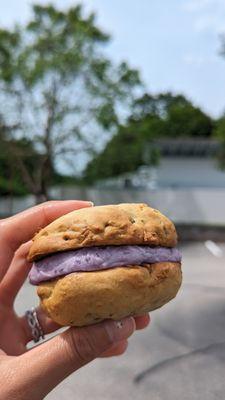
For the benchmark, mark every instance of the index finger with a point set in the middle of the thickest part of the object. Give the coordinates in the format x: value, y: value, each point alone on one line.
x: 20, y: 228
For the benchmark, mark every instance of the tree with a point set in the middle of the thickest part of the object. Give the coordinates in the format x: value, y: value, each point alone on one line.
x: 188, y: 121
x: 158, y: 105
x: 153, y: 117
x: 12, y: 152
x: 219, y: 133
x: 178, y: 116
x: 59, y: 89
x: 130, y: 148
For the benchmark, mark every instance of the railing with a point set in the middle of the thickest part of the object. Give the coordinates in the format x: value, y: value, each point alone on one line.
x: 188, y: 206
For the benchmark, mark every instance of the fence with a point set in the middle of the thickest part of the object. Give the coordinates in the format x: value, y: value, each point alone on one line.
x: 189, y: 206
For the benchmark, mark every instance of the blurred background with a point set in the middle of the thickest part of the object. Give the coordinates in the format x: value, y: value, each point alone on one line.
x: 124, y: 101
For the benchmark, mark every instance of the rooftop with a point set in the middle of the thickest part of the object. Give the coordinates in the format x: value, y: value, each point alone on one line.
x: 199, y: 147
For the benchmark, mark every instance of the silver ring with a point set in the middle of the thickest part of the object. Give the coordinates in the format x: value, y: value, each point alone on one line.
x: 34, y: 324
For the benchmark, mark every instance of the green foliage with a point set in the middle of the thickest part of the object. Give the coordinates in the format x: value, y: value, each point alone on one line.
x: 128, y: 149
x: 60, y: 94
x: 59, y: 89
x: 188, y: 121
x: 21, y: 151
x: 8, y: 42
x: 11, y: 182
x: 61, y: 42
x: 153, y: 117
x: 159, y: 105
x: 219, y: 133
x: 177, y: 116
x: 119, y: 156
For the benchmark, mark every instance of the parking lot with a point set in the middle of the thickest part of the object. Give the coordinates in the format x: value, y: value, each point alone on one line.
x: 180, y: 356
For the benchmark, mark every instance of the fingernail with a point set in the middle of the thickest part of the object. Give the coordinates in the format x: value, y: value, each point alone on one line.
x: 89, y: 203
x: 119, y: 330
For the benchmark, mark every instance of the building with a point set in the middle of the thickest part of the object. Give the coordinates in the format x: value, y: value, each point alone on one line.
x: 184, y: 163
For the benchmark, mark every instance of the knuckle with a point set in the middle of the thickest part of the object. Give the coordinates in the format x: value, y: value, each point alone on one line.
x: 22, y: 251
x: 83, y: 346
x: 3, y: 225
x: 46, y: 210
x: 88, y: 344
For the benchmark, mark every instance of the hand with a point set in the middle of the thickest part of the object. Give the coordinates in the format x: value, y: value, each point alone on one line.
x: 34, y: 373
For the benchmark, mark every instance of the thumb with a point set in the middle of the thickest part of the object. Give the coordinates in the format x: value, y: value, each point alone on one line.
x: 47, y: 365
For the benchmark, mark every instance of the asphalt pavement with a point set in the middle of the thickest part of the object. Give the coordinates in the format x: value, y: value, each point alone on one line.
x: 182, y: 353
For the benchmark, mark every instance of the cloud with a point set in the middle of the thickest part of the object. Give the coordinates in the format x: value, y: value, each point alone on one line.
x: 203, y: 5
x: 194, y: 60
x: 208, y: 15
x: 214, y: 24
x: 199, y: 60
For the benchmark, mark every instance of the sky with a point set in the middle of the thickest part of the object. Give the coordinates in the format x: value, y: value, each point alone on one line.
x: 174, y: 43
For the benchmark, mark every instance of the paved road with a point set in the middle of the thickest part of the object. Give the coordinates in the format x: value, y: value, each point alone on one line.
x: 181, y: 356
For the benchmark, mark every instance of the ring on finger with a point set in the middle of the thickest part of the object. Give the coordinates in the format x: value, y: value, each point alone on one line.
x: 34, y: 324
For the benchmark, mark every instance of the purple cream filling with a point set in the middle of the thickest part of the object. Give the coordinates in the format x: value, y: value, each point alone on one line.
x: 98, y: 258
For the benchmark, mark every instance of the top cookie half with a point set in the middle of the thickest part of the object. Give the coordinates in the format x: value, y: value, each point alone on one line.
x: 122, y: 224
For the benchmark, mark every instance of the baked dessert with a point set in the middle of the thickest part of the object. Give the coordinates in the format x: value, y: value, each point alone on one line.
x: 105, y: 262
